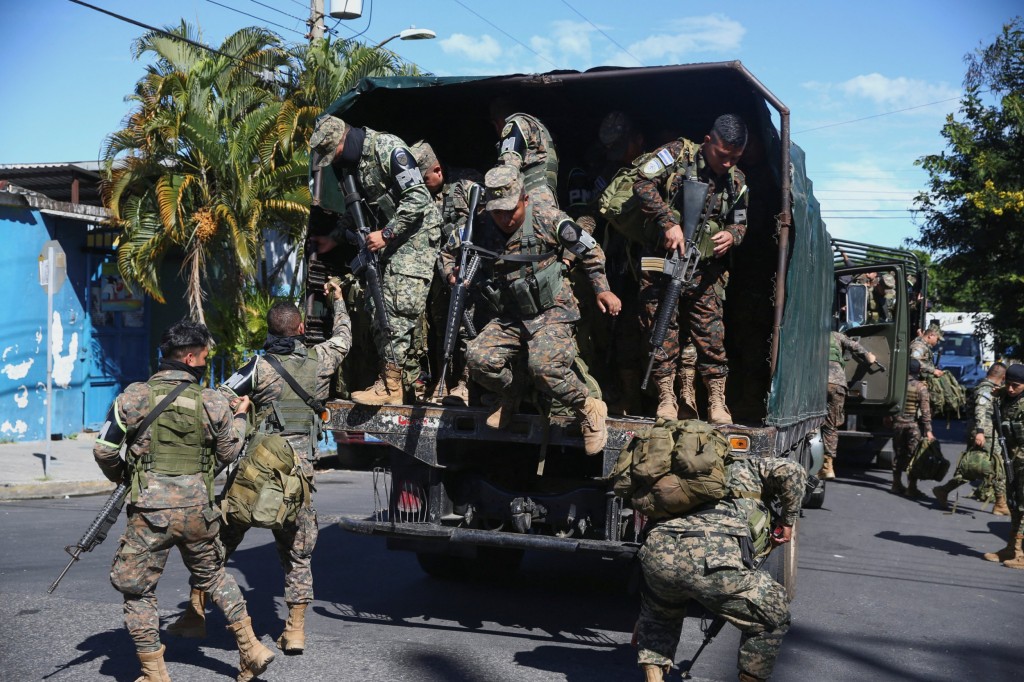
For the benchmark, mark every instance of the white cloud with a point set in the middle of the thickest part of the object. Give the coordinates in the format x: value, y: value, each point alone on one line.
x: 482, y: 49
x: 714, y: 33
x: 896, y: 93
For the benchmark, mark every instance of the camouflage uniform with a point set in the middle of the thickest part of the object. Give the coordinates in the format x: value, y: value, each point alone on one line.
x: 261, y: 382
x: 527, y: 146
x: 405, y: 208
x: 167, y: 511
x: 1011, y: 410
x: 839, y: 345
x: 885, y: 294
x: 922, y: 352
x: 909, y: 426
x: 698, y: 556
x: 983, y: 418
x: 546, y: 336
x: 701, y: 304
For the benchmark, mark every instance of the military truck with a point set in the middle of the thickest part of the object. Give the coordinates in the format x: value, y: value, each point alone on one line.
x: 884, y: 317
x: 468, y: 499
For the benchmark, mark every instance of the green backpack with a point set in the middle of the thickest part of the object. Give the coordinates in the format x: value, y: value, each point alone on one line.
x: 946, y: 395
x: 928, y: 464
x: 269, y: 486
x: 975, y: 465
x: 676, y: 466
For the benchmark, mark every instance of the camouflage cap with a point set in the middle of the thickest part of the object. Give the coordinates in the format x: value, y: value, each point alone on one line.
x: 614, y: 134
x: 504, y: 187
x: 325, y: 138
x: 424, y: 154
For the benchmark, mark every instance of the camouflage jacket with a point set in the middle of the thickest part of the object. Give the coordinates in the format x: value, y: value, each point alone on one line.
x: 662, y: 177
x: 261, y: 382
x: 546, y: 219
x: 837, y: 370
x: 756, y: 482
x: 922, y: 352
x: 224, y: 433
x: 401, y: 202
x: 983, y: 404
x: 539, y: 145
x: 486, y: 235
x: 917, y: 391
x: 1011, y: 412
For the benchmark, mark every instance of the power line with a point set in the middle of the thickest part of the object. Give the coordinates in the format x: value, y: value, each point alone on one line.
x: 506, y: 34
x: 253, y: 16
x: 599, y: 29
x: 279, y: 11
x: 265, y: 75
x: 887, y: 113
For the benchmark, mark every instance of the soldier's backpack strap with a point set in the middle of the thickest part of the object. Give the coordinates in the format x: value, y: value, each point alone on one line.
x: 314, y: 404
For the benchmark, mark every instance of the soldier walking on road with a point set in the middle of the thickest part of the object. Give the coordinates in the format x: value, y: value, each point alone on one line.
x: 170, y: 463
x: 707, y: 555
x: 1011, y: 409
x: 839, y: 344
x: 391, y: 183
x: 914, y: 421
x: 538, y: 308
x: 982, y: 436
x: 272, y: 395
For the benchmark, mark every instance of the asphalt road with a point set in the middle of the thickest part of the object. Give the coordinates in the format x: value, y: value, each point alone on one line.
x: 889, y: 589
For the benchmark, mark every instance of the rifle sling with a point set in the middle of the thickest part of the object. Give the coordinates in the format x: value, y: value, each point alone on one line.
x: 310, y: 401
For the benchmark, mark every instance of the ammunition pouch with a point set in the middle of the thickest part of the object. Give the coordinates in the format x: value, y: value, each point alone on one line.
x: 535, y: 293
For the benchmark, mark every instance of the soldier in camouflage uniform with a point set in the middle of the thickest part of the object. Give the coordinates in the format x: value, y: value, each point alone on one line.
x: 391, y: 183
x: 661, y: 178
x: 907, y: 428
x: 981, y: 436
x: 450, y: 188
x: 706, y: 555
x: 527, y: 145
x: 537, y: 308
x: 839, y: 345
x: 257, y: 380
x: 1011, y: 411
x: 921, y: 349
x: 171, y: 467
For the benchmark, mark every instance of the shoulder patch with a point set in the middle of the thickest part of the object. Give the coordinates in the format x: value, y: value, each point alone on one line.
x: 666, y: 156
x: 401, y: 157
x: 653, y: 167
x: 507, y: 129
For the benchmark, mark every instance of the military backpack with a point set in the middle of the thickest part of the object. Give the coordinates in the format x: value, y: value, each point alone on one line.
x: 975, y: 465
x: 269, y: 486
x: 676, y: 466
x: 946, y: 395
x: 928, y: 464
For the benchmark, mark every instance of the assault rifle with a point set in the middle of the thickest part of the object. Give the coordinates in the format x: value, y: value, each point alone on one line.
x: 367, y: 264
x: 682, y: 266
x: 1000, y: 434
x: 468, y: 266
x: 97, y: 531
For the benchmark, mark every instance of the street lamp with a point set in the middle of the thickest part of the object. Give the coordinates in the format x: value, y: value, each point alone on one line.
x: 411, y: 33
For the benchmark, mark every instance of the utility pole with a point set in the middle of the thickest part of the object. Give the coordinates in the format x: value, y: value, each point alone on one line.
x: 316, y: 20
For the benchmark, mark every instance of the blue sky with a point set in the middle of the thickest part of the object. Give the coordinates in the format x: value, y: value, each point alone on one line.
x: 842, y: 68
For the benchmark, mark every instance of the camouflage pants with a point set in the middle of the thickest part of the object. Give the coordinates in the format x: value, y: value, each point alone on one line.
x: 550, y: 353
x: 142, y: 555
x: 906, y: 436
x: 701, y: 307
x: 834, y: 418
x: 295, y: 543
x: 711, y: 571
x: 405, y: 299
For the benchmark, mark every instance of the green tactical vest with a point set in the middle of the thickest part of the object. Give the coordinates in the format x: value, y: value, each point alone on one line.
x: 532, y: 288
x: 835, y: 351
x: 540, y: 174
x: 177, y: 443
x: 911, y: 407
x: 1013, y: 417
x: 297, y: 415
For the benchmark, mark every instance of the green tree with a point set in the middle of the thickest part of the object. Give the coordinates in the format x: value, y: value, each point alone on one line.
x: 973, y: 208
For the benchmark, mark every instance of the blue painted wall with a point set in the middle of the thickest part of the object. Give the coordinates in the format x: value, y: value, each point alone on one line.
x: 92, y: 362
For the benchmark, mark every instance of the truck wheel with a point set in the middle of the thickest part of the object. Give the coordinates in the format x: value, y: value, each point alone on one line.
x: 816, y: 498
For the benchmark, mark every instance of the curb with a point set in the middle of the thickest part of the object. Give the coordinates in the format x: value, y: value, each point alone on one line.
x: 53, y: 489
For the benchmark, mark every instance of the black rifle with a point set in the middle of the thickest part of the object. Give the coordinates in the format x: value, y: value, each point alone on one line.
x: 681, y: 267
x: 97, y: 531
x: 367, y: 263
x: 468, y: 266
x: 997, y: 423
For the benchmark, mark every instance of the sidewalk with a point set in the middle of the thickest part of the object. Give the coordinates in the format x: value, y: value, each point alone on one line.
x: 72, y: 471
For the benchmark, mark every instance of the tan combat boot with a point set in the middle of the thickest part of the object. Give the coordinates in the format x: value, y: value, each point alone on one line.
x: 827, y: 472
x: 191, y: 623
x: 718, y: 413
x: 747, y: 677
x: 458, y: 396
x: 1017, y: 560
x: 153, y: 668
x: 593, y: 425
x: 941, y: 493
x: 897, y: 483
x: 1000, y: 508
x: 654, y: 673
x: 387, y: 390
x: 507, y: 407
x: 687, y: 394
x: 668, y: 408
x: 912, y: 491
x: 1012, y: 549
x: 293, y: 639
x: 253, y: 657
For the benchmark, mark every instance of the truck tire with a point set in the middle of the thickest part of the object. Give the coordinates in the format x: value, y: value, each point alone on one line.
x: 816, y: 498
x: 491, y: 564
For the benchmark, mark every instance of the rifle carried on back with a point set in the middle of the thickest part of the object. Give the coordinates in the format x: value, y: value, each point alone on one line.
x: 468, y: 266
x: 681, y: 267
x: 367, y: 264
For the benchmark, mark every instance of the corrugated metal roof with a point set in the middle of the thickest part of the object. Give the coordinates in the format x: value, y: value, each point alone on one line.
x: 57, y: 180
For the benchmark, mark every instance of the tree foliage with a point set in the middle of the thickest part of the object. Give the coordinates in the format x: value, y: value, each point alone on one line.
x: 973, y: 208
